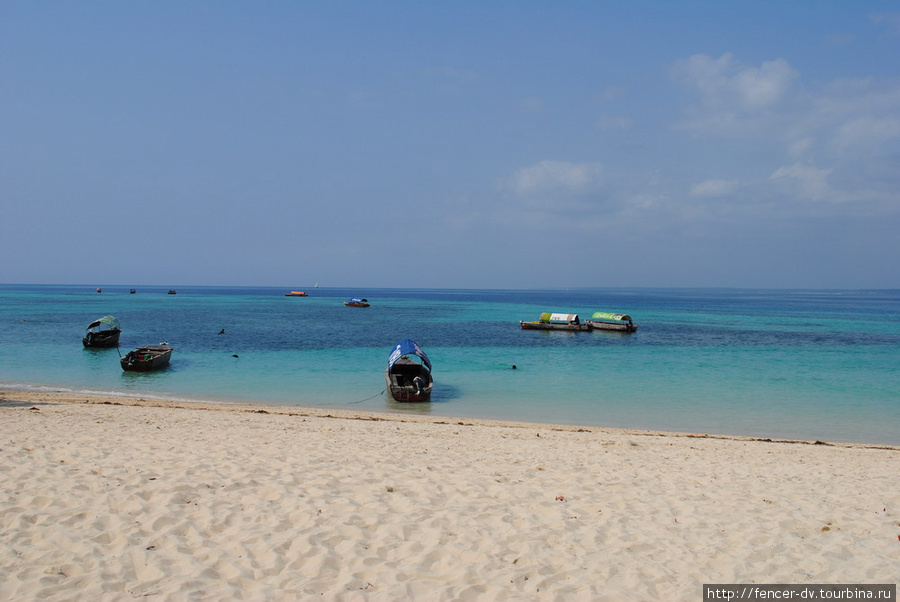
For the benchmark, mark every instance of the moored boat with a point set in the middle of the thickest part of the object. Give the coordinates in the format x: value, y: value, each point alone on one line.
x: 603, y: 320
x: 102, y: 333
x: 357, y: 303
x: 406, y: 378
x: 556, y: 321
x: 147, y: 358
x: 296, y: 294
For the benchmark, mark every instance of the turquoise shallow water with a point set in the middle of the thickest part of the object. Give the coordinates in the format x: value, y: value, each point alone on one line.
x: 780, y: 364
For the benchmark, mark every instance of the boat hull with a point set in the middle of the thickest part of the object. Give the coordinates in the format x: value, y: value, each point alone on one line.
x: 102, y: 339
x: 350, y: 304
x: 553, y: 326
x: 613, y: 327
x: 146, y: 359
x: 401, y: 382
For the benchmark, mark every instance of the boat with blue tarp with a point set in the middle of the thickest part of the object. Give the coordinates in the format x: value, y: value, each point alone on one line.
x: 406, y: 378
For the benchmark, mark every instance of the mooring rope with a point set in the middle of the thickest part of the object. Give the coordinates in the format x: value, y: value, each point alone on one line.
x: 367, y: 398
x: 348, y: 403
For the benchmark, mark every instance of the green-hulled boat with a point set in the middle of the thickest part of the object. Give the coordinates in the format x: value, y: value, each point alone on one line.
x: 551, y: 321
x: 603, y: 320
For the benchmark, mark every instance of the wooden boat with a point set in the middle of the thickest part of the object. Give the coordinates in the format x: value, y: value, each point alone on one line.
x: 102, y: 333
x: 144, y: 359
x: 172, y: 291
x: 603, y: 320
x: 357, y: 303
x: 551, y: 321
x: 408, y: 379
x: 296, y: 294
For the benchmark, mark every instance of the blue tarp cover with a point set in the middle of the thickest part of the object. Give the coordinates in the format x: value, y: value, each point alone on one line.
x: 408, y: 347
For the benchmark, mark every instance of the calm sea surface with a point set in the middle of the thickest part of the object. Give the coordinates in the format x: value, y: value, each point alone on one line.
x: 781, y: 364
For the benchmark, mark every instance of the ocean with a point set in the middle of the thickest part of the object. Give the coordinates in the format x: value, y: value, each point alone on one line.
x: 782, y: 364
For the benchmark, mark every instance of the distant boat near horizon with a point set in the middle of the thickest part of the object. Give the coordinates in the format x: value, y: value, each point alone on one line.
x: 296, y: 294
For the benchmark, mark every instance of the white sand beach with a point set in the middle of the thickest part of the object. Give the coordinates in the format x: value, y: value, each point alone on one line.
x: 116, y: 499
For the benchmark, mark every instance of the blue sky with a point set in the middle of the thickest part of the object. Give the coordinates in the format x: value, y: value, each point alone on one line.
x: 451, y: 144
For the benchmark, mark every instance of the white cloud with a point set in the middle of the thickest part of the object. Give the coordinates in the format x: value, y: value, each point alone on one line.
x: 867, y: 131
x: 714, y: 188
x: 828, y: 190
x: 765, y: 86
x: 555, y: 176
x: 794, y: 151
x: 846, y: 99
x: 550, y: 195
x: 858, y: 115
x: 723, y: 84
x: 799, y: 147
x: 805, y: 181
x: 837, y: 141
